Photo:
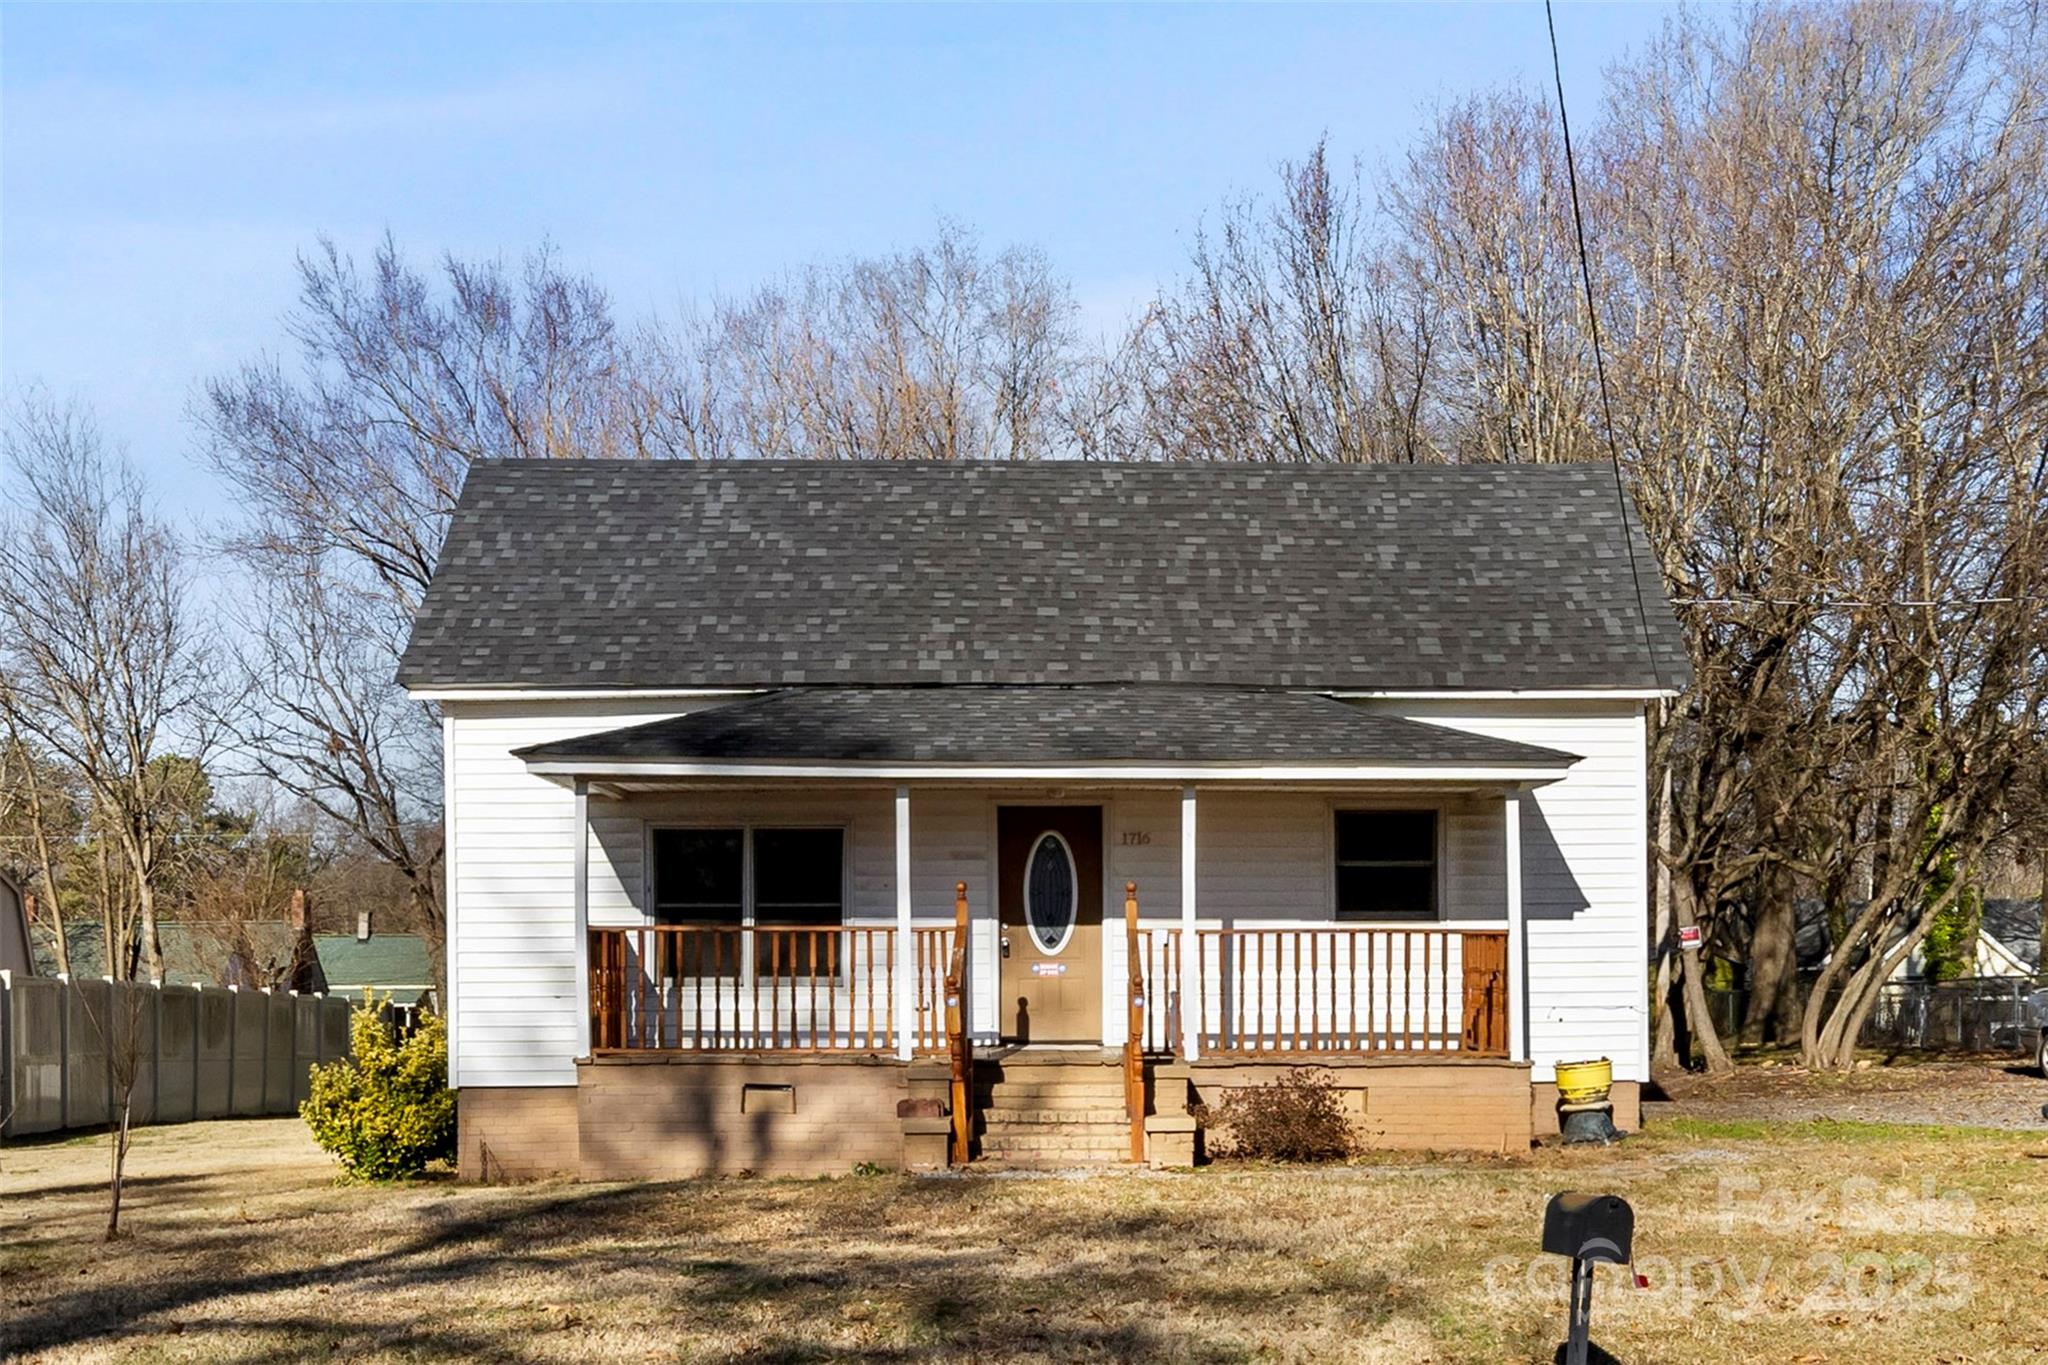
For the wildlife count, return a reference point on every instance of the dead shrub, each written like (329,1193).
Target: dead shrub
(1295,1118)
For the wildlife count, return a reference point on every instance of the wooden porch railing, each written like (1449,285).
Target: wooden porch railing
(959,1047)
(781,988)
(1338,990)
(1134,1035)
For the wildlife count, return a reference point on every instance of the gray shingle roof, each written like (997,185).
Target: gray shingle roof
(1064,725)
(606,574)
(2017,925)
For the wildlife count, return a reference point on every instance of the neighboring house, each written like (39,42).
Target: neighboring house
(16,954)
(396,967)
(1247,767)
(251,953)
(2008,941)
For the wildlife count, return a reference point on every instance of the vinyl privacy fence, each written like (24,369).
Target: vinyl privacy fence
(196,1052)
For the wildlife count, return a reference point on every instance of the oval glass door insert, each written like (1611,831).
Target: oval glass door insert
(1051,893)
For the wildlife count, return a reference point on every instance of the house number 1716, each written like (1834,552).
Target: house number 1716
(1137,838)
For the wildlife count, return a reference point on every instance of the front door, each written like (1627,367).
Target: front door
(1049,871)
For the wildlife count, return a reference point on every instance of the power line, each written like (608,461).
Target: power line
(1599,361)
(1854,604)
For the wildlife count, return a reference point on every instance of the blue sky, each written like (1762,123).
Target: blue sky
(159,167)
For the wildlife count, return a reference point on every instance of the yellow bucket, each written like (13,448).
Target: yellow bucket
(1584,1082)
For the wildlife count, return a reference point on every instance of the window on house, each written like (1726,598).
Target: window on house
(1386,865)
(702,877)
(799,876)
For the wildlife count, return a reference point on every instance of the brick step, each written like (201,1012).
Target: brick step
(1010,1072)
(1014,1117)
(1055,1144)
(1086,1094)
(1051,1163)
(1059,1128)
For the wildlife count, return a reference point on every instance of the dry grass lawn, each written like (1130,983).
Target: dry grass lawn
(1802,1242)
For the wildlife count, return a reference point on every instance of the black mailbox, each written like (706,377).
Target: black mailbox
(1589,1227)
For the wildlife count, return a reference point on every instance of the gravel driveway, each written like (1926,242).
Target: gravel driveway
(1974,1093)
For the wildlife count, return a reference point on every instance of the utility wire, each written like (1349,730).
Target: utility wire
(1854,604)
(1599,362)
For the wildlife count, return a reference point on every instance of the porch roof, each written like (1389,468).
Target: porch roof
(1052,728)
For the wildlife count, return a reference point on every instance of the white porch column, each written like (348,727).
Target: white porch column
(1190,955)
(582,894)
(905,1005)
(1518,934)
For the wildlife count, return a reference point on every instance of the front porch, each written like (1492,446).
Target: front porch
(763,938)
(1341,997)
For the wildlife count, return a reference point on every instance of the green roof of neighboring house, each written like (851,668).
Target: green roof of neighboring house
(194,953)
(397,965)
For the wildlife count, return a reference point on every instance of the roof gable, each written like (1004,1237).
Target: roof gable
(609,574)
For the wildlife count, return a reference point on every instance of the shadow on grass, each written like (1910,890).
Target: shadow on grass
(945,1291)
(99,1187)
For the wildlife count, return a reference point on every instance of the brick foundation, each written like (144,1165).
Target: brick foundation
(1628,1107)
(515,1132)
(667,1118)
(1426,1105)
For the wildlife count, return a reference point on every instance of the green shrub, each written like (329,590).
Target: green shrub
(387,1111)
(1295,1118)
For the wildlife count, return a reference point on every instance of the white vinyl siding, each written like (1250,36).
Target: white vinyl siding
(1585,851)
(1265,857)
(511,886)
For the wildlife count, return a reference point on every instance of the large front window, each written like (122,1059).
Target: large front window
(700,876)
(775,881)
(1386,865)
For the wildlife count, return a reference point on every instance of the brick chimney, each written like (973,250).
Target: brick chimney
(298,916)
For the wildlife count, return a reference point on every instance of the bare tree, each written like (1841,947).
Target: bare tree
(403,382)
(1816,244)
(106,668)
(351,468)
(127,1054)
(1269,349)
(941,353)
(318,717)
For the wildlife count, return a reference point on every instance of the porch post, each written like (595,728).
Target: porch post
(582,894)
(1190,945)
(906,1045)
(1518,934)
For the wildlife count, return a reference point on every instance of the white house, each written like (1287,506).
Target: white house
(1163,778)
